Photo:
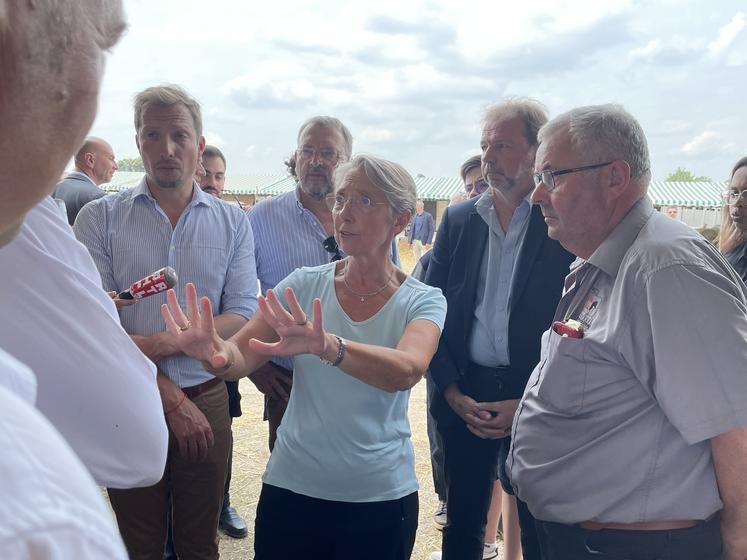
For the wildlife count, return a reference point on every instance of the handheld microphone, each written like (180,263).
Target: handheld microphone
(155,283)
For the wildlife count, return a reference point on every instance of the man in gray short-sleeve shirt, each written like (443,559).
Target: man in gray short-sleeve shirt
(631,436)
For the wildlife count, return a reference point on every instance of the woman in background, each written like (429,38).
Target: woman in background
(732,240)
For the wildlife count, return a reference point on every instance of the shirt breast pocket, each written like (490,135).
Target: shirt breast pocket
(206,264)
(563,378)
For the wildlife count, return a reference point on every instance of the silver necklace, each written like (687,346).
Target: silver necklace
(363,297)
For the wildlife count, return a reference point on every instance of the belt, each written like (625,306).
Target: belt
(487,370)
(285,371)
(645,526)
(196,390)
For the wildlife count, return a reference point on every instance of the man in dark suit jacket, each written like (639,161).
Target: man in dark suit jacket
(94,166)
(502,277)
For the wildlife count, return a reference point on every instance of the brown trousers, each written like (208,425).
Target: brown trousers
(274,411)
(196,491)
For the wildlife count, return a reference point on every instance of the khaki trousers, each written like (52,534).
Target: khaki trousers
(196,491)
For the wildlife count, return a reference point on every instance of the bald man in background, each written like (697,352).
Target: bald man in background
(94,165)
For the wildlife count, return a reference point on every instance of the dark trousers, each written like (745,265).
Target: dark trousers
(435,442)
(471,464)
(470,474)
(196,491)
(290,525)
(570,542)
(234,410)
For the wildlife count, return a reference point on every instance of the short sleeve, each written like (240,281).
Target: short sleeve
(430,304)
(295,280)
(698,323)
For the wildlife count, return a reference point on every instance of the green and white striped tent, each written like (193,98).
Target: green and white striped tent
(662,193)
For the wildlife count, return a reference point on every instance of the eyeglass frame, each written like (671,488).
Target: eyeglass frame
(364,208)
(540,178)
(474,186)
(331,157)
(726,197)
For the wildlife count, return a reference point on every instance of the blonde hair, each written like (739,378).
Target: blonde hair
(531,111)
(167,95)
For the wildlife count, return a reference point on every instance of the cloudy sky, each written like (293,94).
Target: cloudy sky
(411,78)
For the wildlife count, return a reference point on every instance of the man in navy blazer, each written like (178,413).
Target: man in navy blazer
(94,166)
(502,277)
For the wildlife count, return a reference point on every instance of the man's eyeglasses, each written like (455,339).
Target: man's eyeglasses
(548,177)
(733,195)
(330,245)
(329,156)
(336,203)
(479,186)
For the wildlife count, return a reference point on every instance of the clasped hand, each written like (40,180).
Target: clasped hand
(486,420)
(196,336)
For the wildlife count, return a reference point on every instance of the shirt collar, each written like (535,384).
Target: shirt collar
(609,255)
(80,175)
(199,197)
(485,203)
(297,197)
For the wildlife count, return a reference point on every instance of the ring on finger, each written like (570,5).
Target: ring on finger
(185,327)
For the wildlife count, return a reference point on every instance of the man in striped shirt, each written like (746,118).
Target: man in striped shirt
(294,230)
(168,221)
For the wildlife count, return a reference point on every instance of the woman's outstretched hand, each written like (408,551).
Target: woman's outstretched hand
(195,333)
(297,334)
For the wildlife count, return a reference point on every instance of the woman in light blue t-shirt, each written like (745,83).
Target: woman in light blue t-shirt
(340,482)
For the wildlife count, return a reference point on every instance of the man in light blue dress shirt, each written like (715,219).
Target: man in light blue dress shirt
(168,221)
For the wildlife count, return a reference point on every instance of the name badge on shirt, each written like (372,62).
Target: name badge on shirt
(589,310)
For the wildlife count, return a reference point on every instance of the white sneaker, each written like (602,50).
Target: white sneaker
(440,517)
(489,552)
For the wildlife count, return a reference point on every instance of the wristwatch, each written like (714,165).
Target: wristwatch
(340,353)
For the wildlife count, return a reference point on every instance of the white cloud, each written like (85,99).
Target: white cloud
(727,34)
(647,51)
(706,144)
(374,135)
(214,139)
(411,78)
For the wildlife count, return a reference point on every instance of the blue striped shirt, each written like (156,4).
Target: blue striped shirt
(288,236)
(129,236)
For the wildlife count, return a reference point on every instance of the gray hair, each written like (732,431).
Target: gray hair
(469,165)
(391,178)
(531,111)
(605,132)
(335,124)
(167,95)
(327,122)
